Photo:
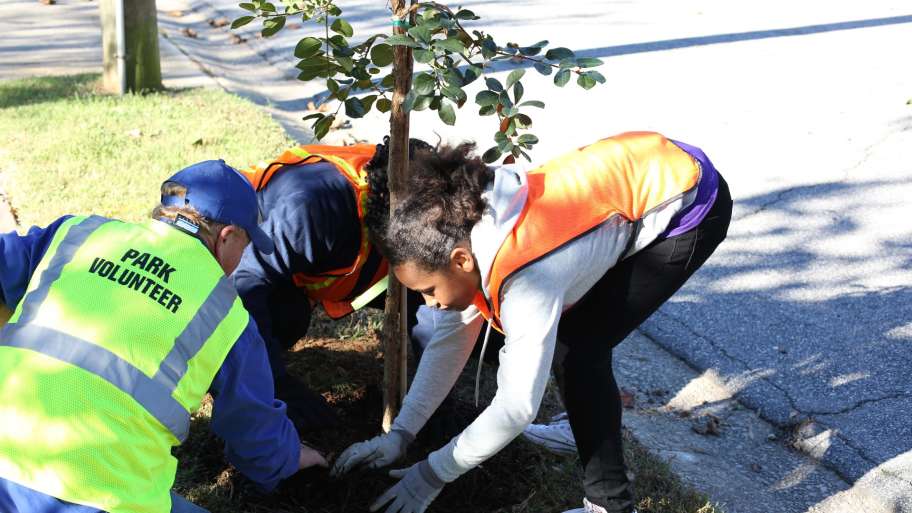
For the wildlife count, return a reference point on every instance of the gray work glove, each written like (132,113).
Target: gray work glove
(377,452)
(414,492)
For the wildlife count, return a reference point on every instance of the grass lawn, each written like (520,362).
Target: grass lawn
(64,148)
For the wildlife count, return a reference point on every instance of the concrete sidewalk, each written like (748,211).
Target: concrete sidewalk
(804,313)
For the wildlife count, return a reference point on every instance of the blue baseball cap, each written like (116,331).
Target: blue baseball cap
(220,193)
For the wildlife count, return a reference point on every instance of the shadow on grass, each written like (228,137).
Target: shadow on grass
(29,91)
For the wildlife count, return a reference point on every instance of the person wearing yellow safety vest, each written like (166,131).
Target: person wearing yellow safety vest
(566,259)
(118,331)
(322,206)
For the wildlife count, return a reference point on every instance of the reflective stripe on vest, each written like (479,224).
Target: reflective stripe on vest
(155,393)
(335,288)
(627,175)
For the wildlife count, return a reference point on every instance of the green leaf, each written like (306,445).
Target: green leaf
(598,77)
(240,22)
(332,86)
(425,83)
(504,99)
(401,40)
(318,115)
(588,62)
(273,25)
(368,101)
(487,110)
(247,7)
(509,111)
(451,44)
(340,26)
(557,54)
(485,98)
(446,113)
(423,102)
(494,84)
(533,103)
(488,47)
(453,77)
(384,105)
(471,74)
(523,121)
(339,42)
(454,93)
(346,62)
(567,63)
(465,14)
(423,56)
(382,55)
(517,91)
(533,49)
(511,127)
(343,93)
(500,138)
(505,146)
(267,7)
(543,68)
(388,81)
(307,47)
(562,77)
(514,77)
(321,127)
(420,33)
(585,81)
(527,139)
(491,155)
(354,108)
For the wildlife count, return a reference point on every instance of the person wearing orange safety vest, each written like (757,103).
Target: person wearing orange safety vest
(321,206)
(566,259)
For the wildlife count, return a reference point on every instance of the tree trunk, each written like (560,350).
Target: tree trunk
(394,330)
(142,62)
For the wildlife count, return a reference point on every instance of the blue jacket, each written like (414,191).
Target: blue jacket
(260,440)
(309,212)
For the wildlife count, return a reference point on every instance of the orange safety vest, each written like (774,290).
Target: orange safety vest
(629,175)
(334,289)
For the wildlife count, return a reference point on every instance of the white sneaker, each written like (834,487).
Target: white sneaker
(555,437)
(588,507)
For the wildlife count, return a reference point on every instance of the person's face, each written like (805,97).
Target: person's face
(451,288)
(229,247)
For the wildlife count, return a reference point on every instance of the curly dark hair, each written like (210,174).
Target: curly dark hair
(378,200)
(443,204)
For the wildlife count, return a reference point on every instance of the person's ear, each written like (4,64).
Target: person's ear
(461,259)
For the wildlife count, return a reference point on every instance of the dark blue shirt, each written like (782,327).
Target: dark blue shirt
(260,440)
(311,214)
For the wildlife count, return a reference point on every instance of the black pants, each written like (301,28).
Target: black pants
(625,296)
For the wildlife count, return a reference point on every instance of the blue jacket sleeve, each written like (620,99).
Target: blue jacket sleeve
(259,438)
(19,257)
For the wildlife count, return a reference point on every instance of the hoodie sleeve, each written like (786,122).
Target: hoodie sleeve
(452,336)
(525,364)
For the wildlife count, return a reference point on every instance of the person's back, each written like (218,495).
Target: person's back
(119,330)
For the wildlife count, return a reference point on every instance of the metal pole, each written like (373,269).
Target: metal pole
(121,56)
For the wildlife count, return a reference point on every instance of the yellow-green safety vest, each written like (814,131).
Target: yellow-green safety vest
(118,337)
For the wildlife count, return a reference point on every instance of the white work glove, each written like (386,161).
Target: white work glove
(377,452)
(415,491)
